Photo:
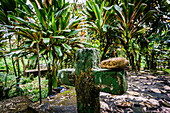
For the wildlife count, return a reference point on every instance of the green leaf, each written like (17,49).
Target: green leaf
(88,6)
(139,11)
(3,17)
(27,9)
(18,19)
(34,57)
(23,12)
(131,11)
(51,55)
(58,50)
(124,11)
(101,7)
(40,18)
(120,16)
(53,22)
(58,37)
(67,46)
(46,40)
(42,51)
(96,11)
(74,32)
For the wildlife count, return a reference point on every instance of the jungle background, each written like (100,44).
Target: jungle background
(46,34)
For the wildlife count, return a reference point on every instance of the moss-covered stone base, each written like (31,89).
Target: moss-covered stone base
(111,81)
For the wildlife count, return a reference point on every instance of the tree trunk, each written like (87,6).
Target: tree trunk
(39,72)
(24,68)
(18,67)
(139,61)
(6,64)
(13,64)
(132,62)
(18,77)
(152,61)
(50,83)
(130,57)
(147,60)
(28,64)
(1,92)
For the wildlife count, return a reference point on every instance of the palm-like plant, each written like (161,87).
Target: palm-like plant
(100,19)
(131,21)
(48,23)
(6,7)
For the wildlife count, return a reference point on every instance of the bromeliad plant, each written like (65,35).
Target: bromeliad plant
(49,23)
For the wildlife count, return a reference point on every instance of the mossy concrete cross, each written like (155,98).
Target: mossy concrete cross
(89,80)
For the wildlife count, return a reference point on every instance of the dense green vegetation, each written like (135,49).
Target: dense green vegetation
(49,32)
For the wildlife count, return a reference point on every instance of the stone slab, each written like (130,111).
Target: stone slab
(109,81)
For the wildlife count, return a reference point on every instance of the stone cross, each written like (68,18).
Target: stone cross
(89,80)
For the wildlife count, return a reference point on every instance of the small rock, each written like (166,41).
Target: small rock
(142,104)
(165,110)
(148,83)
(133,76)
(12,108)
(142,77)
(151,77)
(159,81)
(133,93)
(148,105)
(104,106)
(8,104)
(51,100)
(142,89)
(123,104)
(136,89)
(167,87)
(136,82)
(155,90)
(104,94)
(153,102)
(168,95)
(144,109)
(163,91)
(141,99)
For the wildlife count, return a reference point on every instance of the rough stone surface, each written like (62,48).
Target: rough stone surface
(104,105)
(16,104)
(155,90)
(111,81)
(151,95)
(89,79)
(118,62)
(167,87)
(86,90)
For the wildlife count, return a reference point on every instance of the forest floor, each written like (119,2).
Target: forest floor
(147,92)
